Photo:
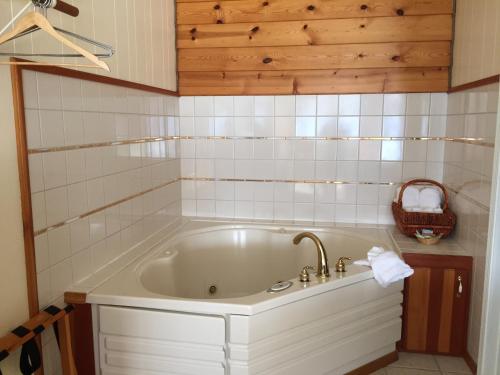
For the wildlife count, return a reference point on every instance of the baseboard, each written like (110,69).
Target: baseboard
(470,362)
(375,365)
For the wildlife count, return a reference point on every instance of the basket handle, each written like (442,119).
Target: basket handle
(423,181)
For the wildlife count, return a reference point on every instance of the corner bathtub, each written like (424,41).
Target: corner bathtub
(198,304)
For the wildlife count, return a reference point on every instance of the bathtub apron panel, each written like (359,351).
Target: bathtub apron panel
(138,341)
(323,333)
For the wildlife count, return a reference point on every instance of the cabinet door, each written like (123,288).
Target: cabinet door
(436,303)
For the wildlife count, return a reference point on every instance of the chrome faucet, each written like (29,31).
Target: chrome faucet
(322,269)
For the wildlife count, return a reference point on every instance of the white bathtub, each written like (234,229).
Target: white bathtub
(198,304)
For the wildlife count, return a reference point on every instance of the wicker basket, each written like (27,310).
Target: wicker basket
(409,222)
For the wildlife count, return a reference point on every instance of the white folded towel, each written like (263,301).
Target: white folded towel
(387,266)
(430,197)
(411,197)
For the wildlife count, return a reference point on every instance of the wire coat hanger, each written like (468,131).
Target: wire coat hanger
(108,49)
(34,21)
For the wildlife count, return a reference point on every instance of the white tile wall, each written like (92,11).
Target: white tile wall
(256,149)
(468,170)
(68,184)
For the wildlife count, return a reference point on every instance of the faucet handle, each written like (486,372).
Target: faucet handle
(340,265)
(304,275)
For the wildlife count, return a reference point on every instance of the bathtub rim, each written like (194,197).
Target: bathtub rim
(201,227)
(122,290)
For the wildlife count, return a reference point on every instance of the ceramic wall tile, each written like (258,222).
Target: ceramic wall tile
(371,138)
(66,112)
(467,170)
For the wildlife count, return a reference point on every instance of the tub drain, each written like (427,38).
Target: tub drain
(212,290)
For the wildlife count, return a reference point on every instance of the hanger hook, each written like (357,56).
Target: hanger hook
(44,4)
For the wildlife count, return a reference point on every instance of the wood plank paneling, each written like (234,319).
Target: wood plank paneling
(375,55)
(434,314)
(316,32)
(435,287)
(238,47)
(234,11)
(418,307)
(445,321)
(314,81)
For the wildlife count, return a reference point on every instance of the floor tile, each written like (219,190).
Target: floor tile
(453,365)
(415,361)
(409,371)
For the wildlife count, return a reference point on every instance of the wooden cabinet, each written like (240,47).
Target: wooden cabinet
(436,304)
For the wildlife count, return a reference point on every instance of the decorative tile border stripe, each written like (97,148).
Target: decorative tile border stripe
(334,182)
(102,208)
(291,181)
(473,141)
(213,179)
(100,144)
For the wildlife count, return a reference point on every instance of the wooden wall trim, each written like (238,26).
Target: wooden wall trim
(65,72)
(24,183)
(474,84)
(25,189)
(437,261)
(470,362)
(375,365)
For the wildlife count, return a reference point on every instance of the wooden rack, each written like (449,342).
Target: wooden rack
(36,325)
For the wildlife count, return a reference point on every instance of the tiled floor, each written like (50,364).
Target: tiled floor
(424,364)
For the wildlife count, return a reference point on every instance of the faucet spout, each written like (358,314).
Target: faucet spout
(322,269)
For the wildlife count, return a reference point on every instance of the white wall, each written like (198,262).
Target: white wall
(142,32)
(477,36)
